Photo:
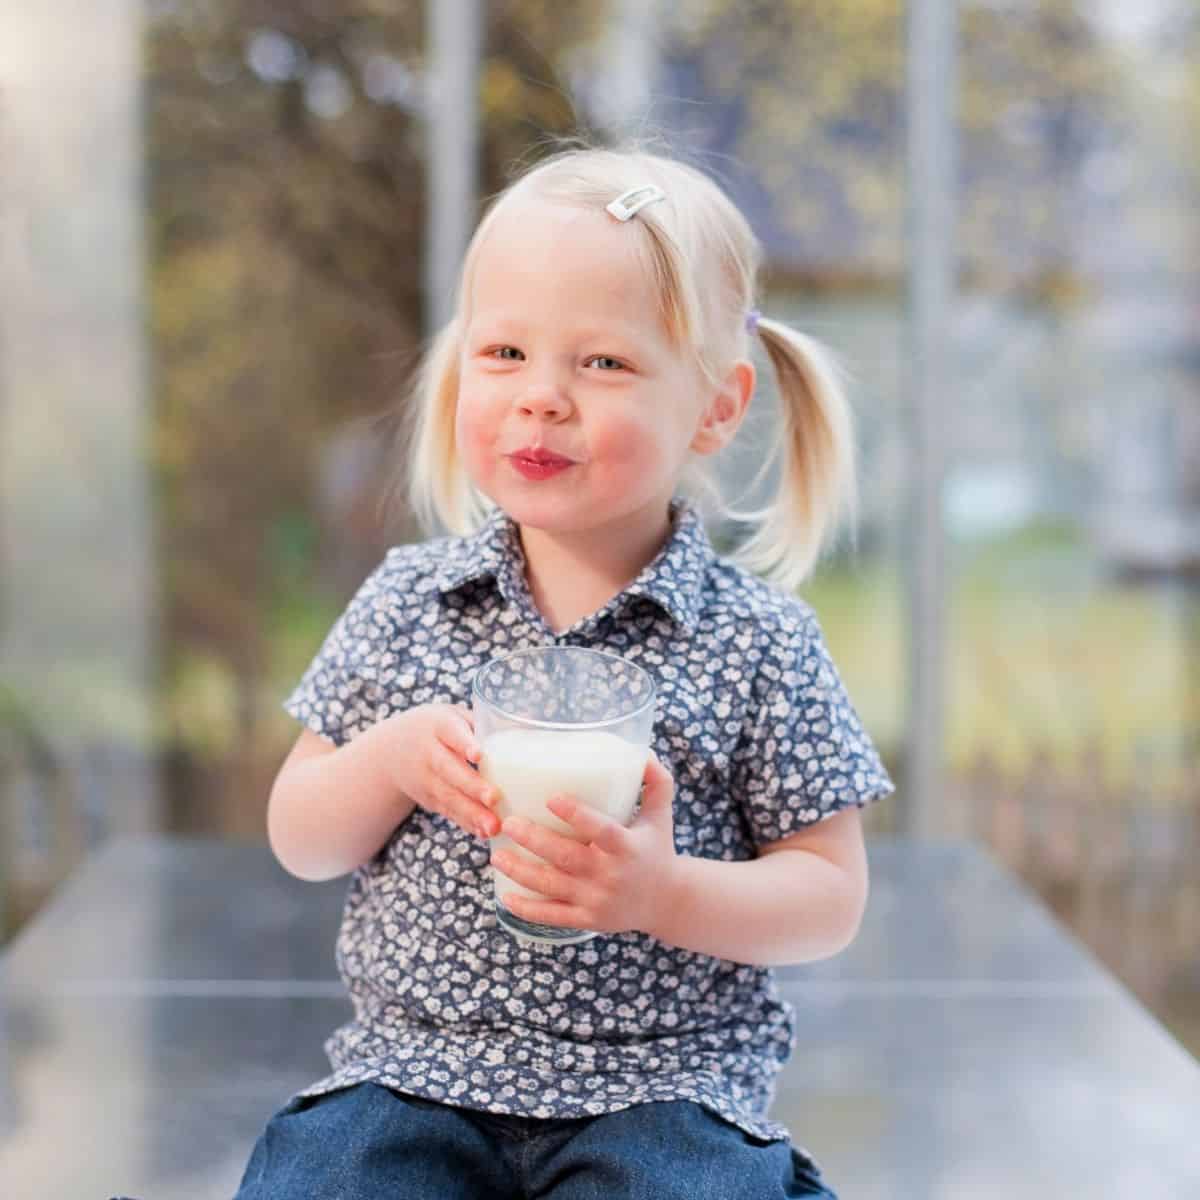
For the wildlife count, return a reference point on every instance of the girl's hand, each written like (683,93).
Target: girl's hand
(615,879)
(430,750)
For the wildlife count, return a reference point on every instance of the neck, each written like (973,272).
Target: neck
(571,575)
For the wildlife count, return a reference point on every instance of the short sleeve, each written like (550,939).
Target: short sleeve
(804,754)
(339,694)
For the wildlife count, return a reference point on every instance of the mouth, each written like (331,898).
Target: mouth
(541,457)
(539,463)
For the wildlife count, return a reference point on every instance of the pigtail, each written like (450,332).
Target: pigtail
(817,487)
(438,487)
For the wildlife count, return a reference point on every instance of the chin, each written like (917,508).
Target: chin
(548,515)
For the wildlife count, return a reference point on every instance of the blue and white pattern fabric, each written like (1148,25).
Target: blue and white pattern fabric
(755,726)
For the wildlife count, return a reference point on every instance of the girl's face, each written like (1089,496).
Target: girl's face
(564,353)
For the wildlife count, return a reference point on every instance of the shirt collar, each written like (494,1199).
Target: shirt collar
(482,554)
(674,580)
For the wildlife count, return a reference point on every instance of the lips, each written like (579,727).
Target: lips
(536,463)
(539,456)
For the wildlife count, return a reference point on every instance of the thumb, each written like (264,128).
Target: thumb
(659,788)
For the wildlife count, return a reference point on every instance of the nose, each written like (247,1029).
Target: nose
(545,400)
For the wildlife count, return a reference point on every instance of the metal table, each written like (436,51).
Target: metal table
(172,996)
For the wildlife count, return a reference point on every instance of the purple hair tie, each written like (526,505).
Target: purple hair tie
(752,321)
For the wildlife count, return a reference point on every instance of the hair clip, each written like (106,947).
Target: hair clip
(627,203)
(752,321)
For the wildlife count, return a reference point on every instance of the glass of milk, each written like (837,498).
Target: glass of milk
(555,720)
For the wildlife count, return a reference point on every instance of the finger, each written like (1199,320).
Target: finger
(451,769)
(463,810)
(563,852)
(545,912)
(458,733)
(538,876)
(591,826)
(658,784)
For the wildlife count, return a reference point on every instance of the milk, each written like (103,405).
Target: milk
(530,766)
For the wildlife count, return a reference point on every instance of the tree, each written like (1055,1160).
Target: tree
(809,102)
(286,165)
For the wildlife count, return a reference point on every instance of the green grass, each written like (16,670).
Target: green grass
(1046,661)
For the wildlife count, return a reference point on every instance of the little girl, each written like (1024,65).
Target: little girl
(598,359)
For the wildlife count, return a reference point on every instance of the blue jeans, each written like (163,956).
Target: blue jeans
(368,1141)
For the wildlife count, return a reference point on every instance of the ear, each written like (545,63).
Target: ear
(725,410)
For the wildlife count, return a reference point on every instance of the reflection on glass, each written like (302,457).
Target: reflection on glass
(1074,499)
(78,592)
(78,611)
(260,227)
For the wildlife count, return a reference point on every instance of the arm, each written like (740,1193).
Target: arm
(804,895)
(331,808)
(801,900)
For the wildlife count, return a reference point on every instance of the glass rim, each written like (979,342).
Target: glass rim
(581,726)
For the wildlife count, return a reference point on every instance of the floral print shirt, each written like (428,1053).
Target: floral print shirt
(755,726)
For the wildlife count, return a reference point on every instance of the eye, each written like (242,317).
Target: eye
(610,364)
(506,354)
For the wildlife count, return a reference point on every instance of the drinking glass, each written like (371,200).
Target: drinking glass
(555,720)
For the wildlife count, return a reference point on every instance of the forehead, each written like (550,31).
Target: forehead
(540,258)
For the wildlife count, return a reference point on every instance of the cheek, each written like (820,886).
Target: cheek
(473,433)
(630,443)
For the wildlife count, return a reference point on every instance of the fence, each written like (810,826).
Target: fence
(1119,866)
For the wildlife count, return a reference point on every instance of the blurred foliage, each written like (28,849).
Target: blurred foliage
(286,159)
(821,99)
(1048,664)
(286,154)
(286,180)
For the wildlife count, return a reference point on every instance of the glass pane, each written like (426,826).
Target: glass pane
(1073,497)
(213,226)
(204,360)
(799,116)
(207,332)
(78,589)
(235,295)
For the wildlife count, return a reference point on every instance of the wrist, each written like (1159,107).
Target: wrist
(673,899)
(379,747)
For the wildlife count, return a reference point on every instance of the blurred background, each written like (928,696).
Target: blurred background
(217,234)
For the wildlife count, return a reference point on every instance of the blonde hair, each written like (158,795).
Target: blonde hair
(703,260)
